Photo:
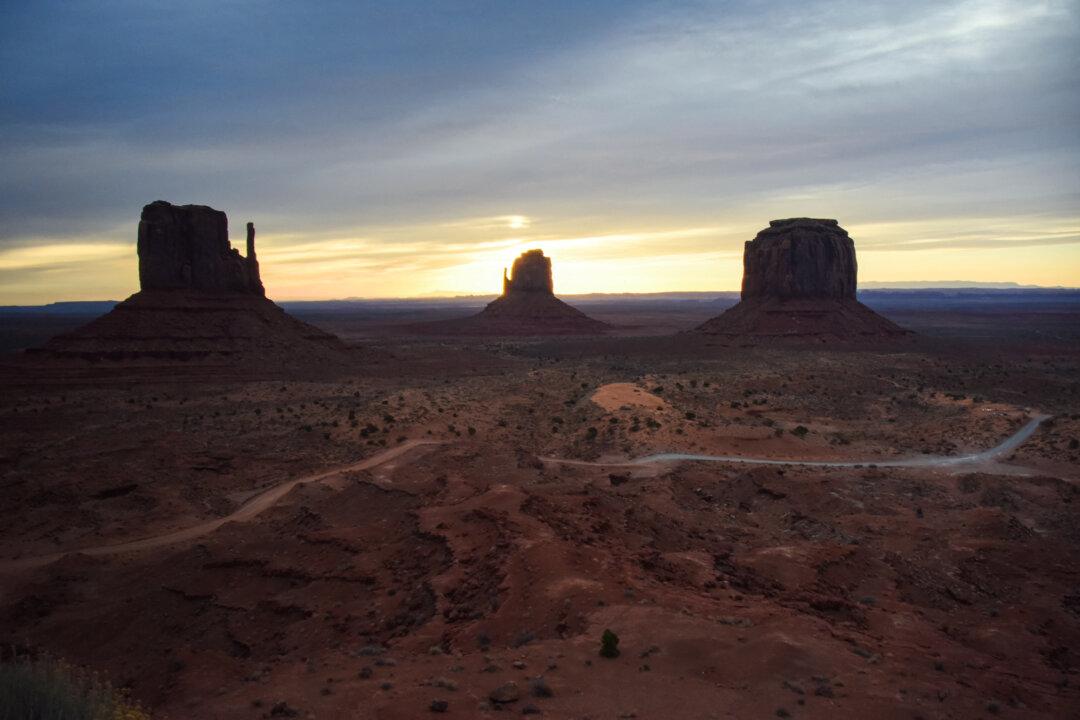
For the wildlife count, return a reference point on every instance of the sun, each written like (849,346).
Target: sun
(517,222)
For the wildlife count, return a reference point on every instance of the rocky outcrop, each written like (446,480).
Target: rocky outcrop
(799,280)
(201,303)
(528,306)
(800,258)
(531,272)
(186,247)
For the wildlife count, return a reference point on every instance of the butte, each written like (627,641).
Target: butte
(200,302)
(799,278)
(527,306)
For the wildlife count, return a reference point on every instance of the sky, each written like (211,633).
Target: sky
(400,149)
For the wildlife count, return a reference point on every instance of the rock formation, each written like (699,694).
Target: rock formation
(799,279)
(531,272)
(527,306)
(186,247)
(200,301)
(800,258)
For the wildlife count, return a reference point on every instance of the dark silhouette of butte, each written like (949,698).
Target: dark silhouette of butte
(799,278)
(527,306)
(199,299)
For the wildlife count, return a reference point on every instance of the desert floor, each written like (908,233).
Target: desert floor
(366,544)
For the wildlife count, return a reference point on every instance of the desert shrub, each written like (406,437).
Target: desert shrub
(50,689)
(591,433)
(609,644)
(799,431)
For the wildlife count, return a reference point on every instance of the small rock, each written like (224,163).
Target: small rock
(439,706)
(530,710)
(507,693)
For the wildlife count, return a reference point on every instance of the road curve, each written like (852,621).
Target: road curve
(247,511)
(1006,446)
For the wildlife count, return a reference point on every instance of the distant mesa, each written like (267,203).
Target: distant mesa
(799,278)
(527,306)
(531,272)
(200,300)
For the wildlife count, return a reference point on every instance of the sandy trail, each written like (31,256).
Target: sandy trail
(922,461)
(263,500)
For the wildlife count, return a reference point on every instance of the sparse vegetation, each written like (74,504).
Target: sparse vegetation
(50,689)
(609,644)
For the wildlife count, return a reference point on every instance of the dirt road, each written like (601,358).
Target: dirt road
(924,461)
(249,510)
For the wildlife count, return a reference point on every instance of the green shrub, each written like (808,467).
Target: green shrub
(50,689)
(609,644)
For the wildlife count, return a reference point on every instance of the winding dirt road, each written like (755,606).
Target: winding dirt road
(926,461)
(272,495)
(249,510)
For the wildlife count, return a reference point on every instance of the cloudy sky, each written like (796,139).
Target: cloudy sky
(409,148)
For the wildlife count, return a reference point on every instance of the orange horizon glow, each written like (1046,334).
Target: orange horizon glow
(467,257)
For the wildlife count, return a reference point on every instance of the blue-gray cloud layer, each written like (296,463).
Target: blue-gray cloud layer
(337,115)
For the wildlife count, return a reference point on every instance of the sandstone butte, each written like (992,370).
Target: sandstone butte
(527,306)
(799,279)
(199,301)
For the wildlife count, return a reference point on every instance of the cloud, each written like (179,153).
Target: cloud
(377,131)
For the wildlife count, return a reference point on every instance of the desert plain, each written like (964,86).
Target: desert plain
(403,536)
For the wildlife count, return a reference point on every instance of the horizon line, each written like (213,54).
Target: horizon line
(871,285)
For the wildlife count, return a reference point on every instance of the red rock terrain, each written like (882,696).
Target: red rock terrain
(465,570)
